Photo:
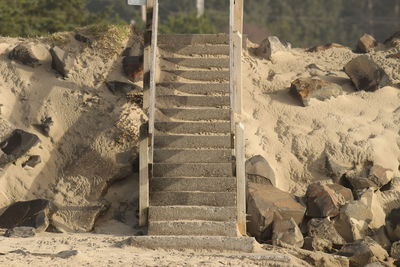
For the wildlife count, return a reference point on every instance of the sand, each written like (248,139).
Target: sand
(94,140)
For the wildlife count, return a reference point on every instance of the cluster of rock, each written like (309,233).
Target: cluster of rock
(358,217)
(363,72)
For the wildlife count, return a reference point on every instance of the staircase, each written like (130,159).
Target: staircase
(193,188)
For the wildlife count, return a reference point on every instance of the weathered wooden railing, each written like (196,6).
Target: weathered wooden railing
(146,144)
(236,43)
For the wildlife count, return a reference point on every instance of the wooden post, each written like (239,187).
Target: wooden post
(143,175)
(241,178)
(238,16)
(146,56)
(237,71)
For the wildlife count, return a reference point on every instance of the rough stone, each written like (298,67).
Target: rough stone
(319,48)
(77,219)
(352,223)
(322,201)
(371,199)
(366,44)
(393,225)
(306,89)
(30,54)
(343,193)
(45,125)
(317,244)
(22,232)
(287,231)
(270,46)
(262,204)
(366,74)
(135,50)
(377,177)
(259,171)
(17,145)
(324,229)
(133,67)
(121,87)
(32,161)
(363,252)
(336,170)
(395,250)
(33,213)
(62,62)
(380,236)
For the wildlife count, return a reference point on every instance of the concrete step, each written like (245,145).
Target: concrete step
(170,88)
(216,199)
(195,49)
(220,243)
(192,170)
(173,101)
(174,213)
(194,114)
(195,75)
(194,62)
(192,155)
(193,127)
(191,141)
(213,184)
(193,228)
(187,39)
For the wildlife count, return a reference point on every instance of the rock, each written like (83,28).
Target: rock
(287,231)
(336,170)
(344,194)
(270,46)
(366,44)
(366,74)
(65,254)
(80,38)
(32,161)
(317,244)
(319,48)
(372,201)
(395,250)
(62,62)
(135,50)
(306,89)
(20,232)
(363,252)
(352,223)
(259,171)
(30,54)
(322,201)
(33,213)
(393,40)
(393,225)
(133,67)
(262,204)
(78,219)
(380,236)
(397,55)
(324,229)
(17,145)
(45,125)
(121,87)
(377,177)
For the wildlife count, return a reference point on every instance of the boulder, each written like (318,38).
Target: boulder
(322,201)
(344,194)
(133,67)
(393,225)
(371,199)
(135,50)
(62,62)
(259,171)
(286,231)
(263,202)
(324,229)
(32,161)
(306,89)
(319,48)
(376,177)
(366,74)
(30,54)
(21,231)
(33,213)
(353,220)
(17,145)
(270,46)
(366,44)
(380,236)
(317,244)
(363,252)
(77,219)
(121,87)
(395,250)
